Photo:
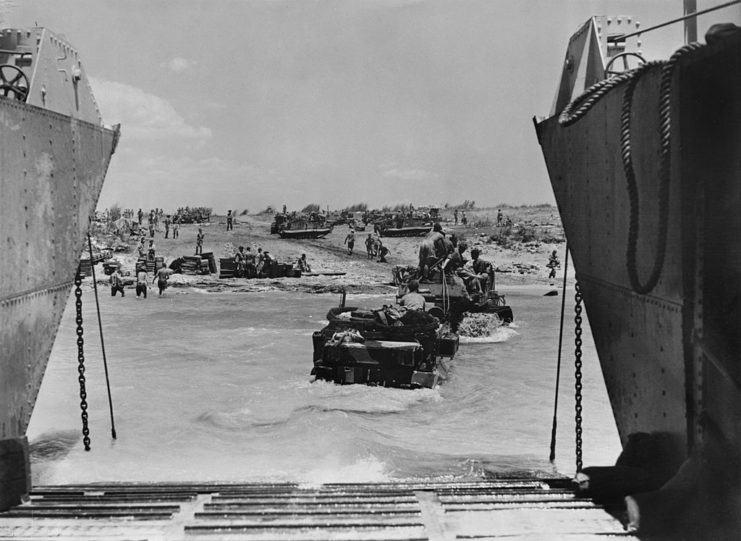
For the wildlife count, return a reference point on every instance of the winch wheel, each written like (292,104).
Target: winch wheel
(610,72)
(13,81)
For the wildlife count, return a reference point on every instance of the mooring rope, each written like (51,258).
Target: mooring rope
(665,96)
(102,342)
(579,107)
(558,364)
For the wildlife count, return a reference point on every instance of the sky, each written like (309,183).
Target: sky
(241,104)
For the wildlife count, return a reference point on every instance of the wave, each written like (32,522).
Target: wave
(239,419)
(53,445)
(328,396)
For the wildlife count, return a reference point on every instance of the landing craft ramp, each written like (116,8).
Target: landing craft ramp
(523,508)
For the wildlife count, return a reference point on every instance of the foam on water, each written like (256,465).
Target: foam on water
(368,469)
(496,335)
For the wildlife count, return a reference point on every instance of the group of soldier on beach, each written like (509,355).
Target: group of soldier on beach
(438,247)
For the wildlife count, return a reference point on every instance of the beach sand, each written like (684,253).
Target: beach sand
(518,264)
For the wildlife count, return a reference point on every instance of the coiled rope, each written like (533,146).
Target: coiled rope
(579,107)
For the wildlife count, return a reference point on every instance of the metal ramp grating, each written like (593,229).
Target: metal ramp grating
(513,508)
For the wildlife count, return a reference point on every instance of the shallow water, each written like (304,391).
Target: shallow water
(216,386)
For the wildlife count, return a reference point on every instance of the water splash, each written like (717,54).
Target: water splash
(365,470)
(484,328)
(500,334)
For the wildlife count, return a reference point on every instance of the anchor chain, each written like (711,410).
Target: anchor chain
(578,365)
(81,360)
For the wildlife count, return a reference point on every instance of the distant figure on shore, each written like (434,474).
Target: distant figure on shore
(151,230)
(229,221)
(350,241)
(499,217)
(141,282)
(239,262)
(116,283)
(268,265)
(175,228)
(167,226)
(162,275)
(455,216)
(413,300)
(553,264)
(142,249)
(370,246)
(199,241)
(150,250)
(464,220)
(284,209)
(260,262)
(382,252)
(250,269)
(303,264)
(140,215)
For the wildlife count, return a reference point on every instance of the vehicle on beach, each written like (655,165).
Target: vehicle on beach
(293,226)
(60,149)
(645,168)
(388,347)
(404,227)
(294,231)
(192,215)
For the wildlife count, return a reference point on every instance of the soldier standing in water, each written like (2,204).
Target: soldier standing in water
(350,241)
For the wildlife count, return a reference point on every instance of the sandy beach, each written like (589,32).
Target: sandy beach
(519,252)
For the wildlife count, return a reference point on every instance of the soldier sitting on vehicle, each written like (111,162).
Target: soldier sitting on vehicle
(482,273)
(413,300)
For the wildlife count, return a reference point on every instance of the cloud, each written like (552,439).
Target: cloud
(179,64)
(409,174)
(215,105)
(208,168)
(142,115)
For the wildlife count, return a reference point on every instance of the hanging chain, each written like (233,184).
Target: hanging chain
(81,360)
(577,365)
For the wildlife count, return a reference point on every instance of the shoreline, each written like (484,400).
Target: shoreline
(519,265)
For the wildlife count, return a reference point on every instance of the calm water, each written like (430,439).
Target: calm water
(216,386)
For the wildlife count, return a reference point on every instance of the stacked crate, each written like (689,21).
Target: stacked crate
(227,267)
